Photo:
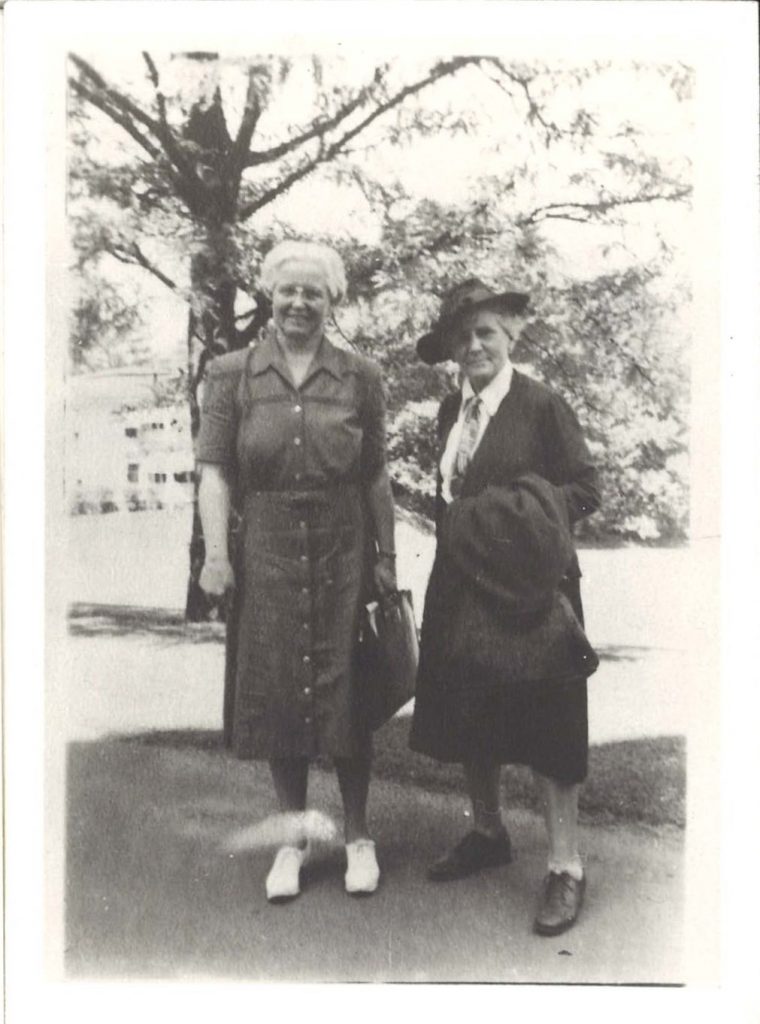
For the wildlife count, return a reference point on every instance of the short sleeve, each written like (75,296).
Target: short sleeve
(217,437)
(373,454)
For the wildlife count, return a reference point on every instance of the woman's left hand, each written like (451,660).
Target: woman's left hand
(385,576)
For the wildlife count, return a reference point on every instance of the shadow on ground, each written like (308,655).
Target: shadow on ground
(87,620)
(126,620)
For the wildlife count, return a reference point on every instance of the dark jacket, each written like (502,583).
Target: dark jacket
(495,600)
(533,431)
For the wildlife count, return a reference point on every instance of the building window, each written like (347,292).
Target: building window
(159,478)
(133,470)
(130,431)
(185,477)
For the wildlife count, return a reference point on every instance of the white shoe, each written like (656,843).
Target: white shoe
(283,882)
(362,874)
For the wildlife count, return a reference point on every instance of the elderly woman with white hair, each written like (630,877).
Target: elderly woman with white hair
(293,427)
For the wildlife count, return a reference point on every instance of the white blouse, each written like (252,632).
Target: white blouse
(491,396)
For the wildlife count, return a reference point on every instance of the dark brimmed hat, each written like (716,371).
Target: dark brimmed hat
(464,298)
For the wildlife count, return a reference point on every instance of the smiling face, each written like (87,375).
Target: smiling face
(481,343)
(300,301)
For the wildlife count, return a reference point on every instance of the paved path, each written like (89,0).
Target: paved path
(160,899)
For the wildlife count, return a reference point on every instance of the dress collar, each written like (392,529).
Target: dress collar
(268,353)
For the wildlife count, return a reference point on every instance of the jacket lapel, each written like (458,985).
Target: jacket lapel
(492,441)
(449,413)
(447,419)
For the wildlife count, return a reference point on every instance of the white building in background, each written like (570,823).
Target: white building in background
(117,460)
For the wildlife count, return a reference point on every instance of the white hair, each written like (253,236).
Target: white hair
(323,256)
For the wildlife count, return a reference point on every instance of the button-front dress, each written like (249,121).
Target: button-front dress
(301,459)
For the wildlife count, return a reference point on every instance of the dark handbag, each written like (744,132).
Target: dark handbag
(388,654)
(511,650)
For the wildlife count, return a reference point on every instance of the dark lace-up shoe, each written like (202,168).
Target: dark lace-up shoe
(471,854)
(561,901)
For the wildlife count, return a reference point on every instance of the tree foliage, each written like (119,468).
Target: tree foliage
(210,148)
(614,345)
(105,327)
(193,179)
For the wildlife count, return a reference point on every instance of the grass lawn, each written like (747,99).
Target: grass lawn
(636,781)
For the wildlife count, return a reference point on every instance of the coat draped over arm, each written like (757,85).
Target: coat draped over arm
(494,605)
(511,541)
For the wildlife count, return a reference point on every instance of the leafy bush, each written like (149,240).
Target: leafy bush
(614,346)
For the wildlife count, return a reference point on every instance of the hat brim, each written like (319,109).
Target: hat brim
(432,348)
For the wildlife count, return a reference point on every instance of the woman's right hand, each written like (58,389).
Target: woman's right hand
(217,577)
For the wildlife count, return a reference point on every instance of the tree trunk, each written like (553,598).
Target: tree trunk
(197,605)
(213,272)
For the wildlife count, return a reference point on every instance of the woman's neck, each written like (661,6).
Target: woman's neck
(298,353)
(298,348)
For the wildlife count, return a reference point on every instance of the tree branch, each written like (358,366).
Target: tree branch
(160,129)
(441,70)
(565,211)
(144,262)
(115,116)
(326,153)
(282,186)
(239,154)
(160,98)
(117,98)
(560,216)
(122,119)
(318,129)
(152,71)
(164,132)
(551,129)
(133,255)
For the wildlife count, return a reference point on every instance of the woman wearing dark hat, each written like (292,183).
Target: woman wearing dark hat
(503,656)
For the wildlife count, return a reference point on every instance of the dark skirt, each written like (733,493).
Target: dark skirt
(301,582)
(542,724)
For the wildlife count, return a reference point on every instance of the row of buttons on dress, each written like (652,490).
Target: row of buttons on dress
(305,590)
(297,440)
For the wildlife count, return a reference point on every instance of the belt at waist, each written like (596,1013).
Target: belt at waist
(327,508)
